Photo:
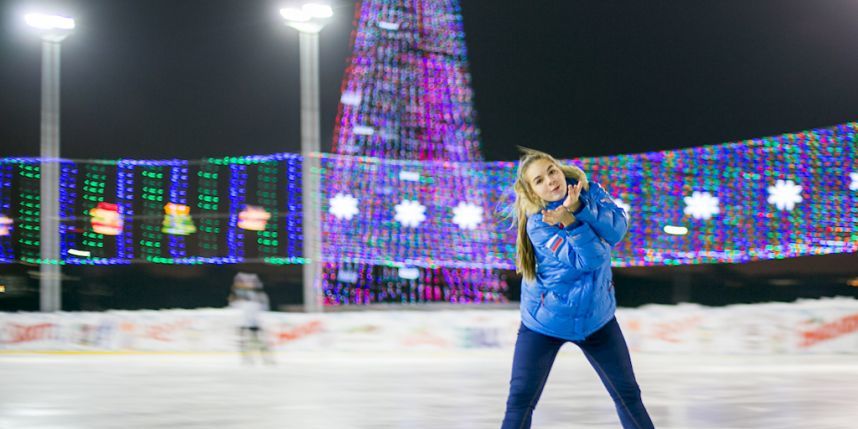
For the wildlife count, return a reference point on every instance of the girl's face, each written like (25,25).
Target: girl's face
(546,179)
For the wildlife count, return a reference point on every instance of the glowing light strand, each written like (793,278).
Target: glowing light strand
(268,240)
(7,253)
(654,185)
(178,195)
(125,200)
(152,194)
(29,204)
(69,231)
(208,204)
(92,193)
(237,192)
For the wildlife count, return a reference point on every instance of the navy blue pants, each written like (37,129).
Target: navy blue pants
(605,349)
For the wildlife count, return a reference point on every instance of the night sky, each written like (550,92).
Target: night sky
(188,79)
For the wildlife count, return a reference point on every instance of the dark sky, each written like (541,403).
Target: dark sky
(187,79)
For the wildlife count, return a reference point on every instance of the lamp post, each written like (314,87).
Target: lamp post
(309,20)
(53,29)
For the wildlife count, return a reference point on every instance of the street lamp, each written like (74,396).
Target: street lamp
(309,20)
(53,29)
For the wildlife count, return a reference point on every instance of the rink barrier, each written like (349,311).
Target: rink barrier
(803,327)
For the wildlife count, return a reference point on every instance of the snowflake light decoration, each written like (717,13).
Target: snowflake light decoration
(343,206)
(410,213)
(467,215)
(784,195)
(701,205)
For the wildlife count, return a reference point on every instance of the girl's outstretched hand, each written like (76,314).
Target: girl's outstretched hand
(573,192)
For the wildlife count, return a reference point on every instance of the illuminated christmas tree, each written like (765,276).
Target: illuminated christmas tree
(407,96)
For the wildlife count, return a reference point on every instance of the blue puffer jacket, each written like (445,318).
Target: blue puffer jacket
(573,295)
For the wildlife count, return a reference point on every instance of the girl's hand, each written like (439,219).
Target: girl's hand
(573,192)
(558,215)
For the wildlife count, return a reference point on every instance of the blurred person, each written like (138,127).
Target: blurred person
(566,227)
(250,299)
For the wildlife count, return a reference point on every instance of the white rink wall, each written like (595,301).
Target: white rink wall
(803,327)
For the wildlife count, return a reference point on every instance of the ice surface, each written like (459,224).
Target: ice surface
(464,389)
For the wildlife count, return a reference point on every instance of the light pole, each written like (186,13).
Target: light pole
(309,20)
(53,29)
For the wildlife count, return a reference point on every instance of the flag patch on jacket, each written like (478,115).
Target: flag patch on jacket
(554,243)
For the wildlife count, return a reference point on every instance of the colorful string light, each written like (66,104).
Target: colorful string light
(152,184)
(267,239)
(178,216)
(768,198)
(92,194)
(407,96)
(7,224)
(292,211)
(70,230)
(125,204)
(29,205)
(208,204)
(237,192)
(143,188)
(406,92)
(783,196)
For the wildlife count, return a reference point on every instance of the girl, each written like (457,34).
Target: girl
(566,227)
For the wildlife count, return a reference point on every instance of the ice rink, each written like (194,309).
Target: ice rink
(462,389)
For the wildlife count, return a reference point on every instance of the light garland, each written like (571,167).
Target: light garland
(70,231)
(28,219)
(208,204)
(7,224)
(410,220)
(125,179)
(92,194)
(748,225)
(780,196)
(152,193)
(144,189)
(237,192)
(178,216)
(292,212)
(267,239)
(784,196)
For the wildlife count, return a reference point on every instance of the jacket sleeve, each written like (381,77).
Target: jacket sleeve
(599,211)
(579,248)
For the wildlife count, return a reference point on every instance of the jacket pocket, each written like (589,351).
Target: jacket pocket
(601,299)
(558,305)
(532,303)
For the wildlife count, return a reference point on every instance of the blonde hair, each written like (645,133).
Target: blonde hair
(527,203)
